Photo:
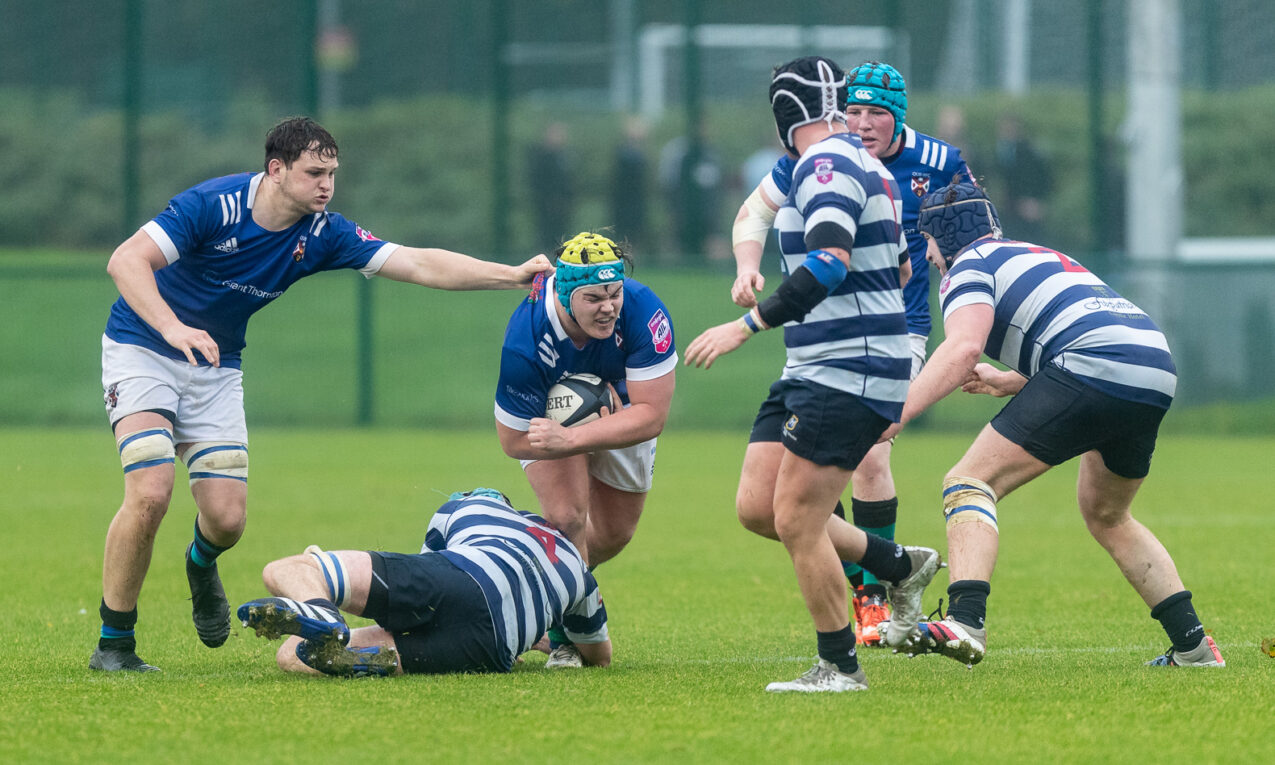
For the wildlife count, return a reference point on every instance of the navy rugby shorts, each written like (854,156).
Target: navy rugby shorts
(436,613)
(824,425)
(1056,416)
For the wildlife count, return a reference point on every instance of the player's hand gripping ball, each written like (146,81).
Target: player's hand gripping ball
(577,399)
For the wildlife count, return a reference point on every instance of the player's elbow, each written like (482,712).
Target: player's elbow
(966,353)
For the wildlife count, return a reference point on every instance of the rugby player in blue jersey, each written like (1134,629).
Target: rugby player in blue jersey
(877,103)
(849,361)
(591,479)
(1091,376)
(486,585)
(189,280)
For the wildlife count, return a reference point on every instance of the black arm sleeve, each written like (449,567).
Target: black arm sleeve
(796,297)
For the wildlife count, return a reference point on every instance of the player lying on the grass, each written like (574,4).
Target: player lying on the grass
(591,479)
(1091,376)
(847,373)
(486,585)
(189,281)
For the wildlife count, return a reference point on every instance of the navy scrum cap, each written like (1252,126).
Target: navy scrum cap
(957,215)
(804,91)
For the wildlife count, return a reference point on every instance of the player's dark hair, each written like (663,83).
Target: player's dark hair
(294,136)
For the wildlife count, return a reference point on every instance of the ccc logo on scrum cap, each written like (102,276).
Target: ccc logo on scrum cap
(606,273)
(863,95)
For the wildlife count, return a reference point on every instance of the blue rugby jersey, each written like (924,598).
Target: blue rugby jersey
(532,577)
(856,339)
(537,352)
(923,164)
(1050,310)
(223,267)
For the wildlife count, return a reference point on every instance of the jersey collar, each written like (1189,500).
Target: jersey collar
(551,312)
(253,185)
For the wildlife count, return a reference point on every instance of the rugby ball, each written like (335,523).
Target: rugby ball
(577,399)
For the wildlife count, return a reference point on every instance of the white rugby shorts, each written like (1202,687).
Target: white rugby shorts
(629,469)
(206,402)
(917,343)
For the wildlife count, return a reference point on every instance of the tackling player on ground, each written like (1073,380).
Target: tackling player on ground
(877,103)
(189,280)
(487,584)
(847,373)
(1091,376)
(591,479)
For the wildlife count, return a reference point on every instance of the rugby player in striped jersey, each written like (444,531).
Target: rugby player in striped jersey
(1091,376)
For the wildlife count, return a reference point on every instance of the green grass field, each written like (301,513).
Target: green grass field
(703,615)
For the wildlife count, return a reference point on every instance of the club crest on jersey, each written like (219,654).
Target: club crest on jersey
(823,170)
(661,332)
(920,184)
(537,288)
(298,252)
(943,285)
(112,396)
(365,235)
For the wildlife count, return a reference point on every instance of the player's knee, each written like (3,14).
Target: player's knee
(968,500)
(271,575)
(217,459)
(757,520)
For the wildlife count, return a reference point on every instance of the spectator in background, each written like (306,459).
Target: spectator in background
(552,188)
(629,186)
(693,180)
(1023,179)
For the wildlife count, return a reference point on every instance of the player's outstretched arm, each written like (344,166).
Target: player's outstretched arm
(953,362)
(132,267)
(447,270)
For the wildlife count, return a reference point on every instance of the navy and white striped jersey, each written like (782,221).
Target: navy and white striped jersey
(223,267)
(1050,310)
(856,339)
(532,576)
(922,164)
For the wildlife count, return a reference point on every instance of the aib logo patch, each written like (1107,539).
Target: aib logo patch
(790,427)
(920,184)
(823,170)
(661,332)
(943,285)
(298,252)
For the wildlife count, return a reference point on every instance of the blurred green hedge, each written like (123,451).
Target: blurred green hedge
(420,171)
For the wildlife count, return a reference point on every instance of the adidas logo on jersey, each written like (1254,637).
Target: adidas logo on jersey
(230,246)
